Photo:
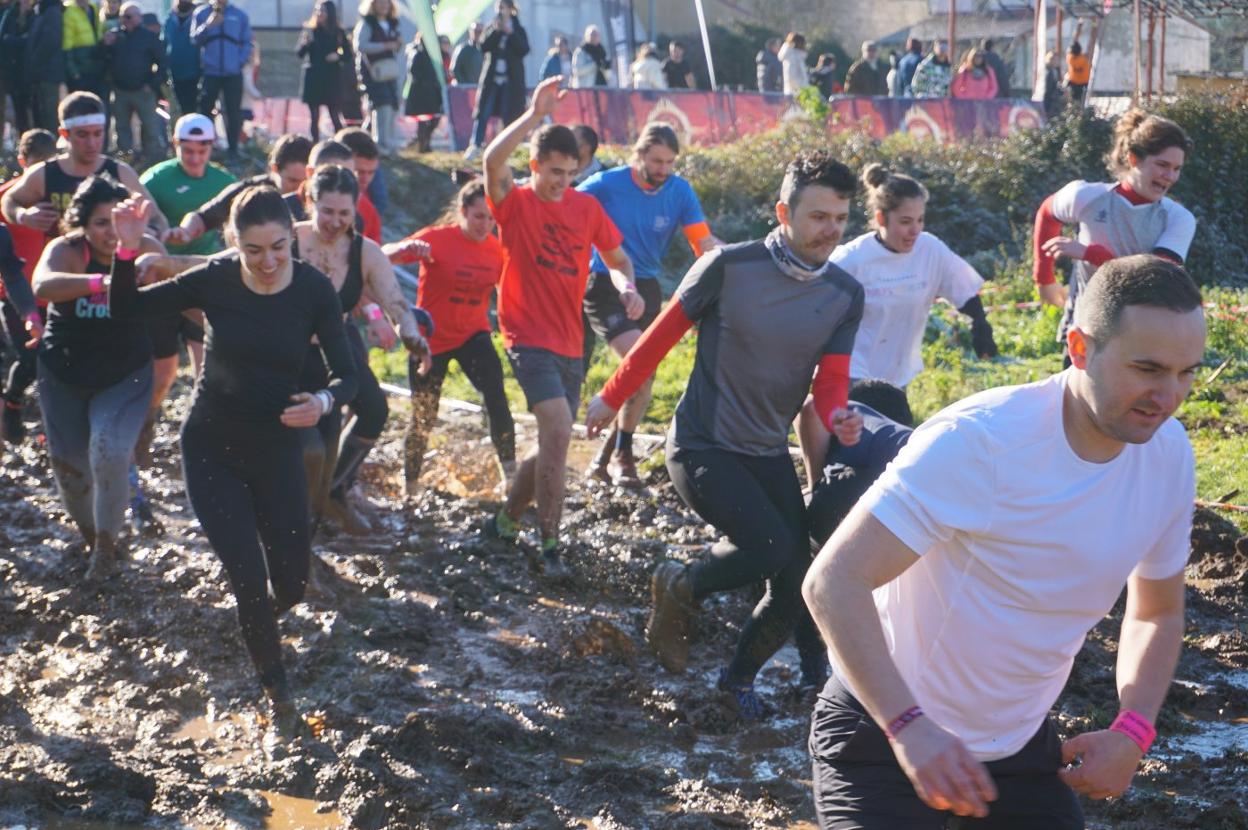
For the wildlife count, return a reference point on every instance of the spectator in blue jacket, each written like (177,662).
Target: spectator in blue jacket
(908,63)
(223,34)
(182,56)
(558,59)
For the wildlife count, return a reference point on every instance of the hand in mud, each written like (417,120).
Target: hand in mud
(304,412)
(598,415)
(634,305)
(847,426)
(944,773)
(381,333)
(34,327)
(1064,246)
(1108,761)
(418,347)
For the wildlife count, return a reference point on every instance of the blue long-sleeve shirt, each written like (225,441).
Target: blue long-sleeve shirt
(182,52)
(224,48)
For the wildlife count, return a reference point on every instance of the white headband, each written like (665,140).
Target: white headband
(88,120)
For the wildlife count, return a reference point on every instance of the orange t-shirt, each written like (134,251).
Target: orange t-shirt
(546,250)
(455,288)
(372,219)
(1078,69)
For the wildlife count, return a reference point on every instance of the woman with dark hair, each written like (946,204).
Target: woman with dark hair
(975,78)
(1131,215)
(325,50)
(240,448)
(422,96)
(824,76)
(377,47)
(329,242)
(501,90)
(460,263)
(95,373)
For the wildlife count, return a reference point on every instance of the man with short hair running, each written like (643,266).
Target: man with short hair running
(649,203)
(547,230)
(959,590)
(43,192)
(366,157)
(179,186)
(776,319)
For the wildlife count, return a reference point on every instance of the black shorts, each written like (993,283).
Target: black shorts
(166,330)
(544,375)
(860,786)
(605,312)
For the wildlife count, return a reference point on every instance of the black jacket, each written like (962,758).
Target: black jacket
(997,64)
(512,48)
(137,59)
(770,71)
(44,60)
(423,93)
(14,30)
(321,81)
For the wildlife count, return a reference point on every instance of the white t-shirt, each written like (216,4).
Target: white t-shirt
(1109,219)
(1023,547)
(900,290)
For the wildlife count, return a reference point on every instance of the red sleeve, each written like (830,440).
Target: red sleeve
(1098,255)
(503,208)
(1047,227)
(646,354)
(372,219)
(831,387)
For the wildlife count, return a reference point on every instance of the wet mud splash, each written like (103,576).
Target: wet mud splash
(452,687)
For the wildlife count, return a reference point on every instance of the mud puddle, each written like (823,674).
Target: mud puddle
(452,687)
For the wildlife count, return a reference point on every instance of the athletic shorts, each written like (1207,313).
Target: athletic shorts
(165,331)
(605,312)
(544,375)
(859,785)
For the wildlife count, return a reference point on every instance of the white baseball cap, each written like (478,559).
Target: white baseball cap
(194,127)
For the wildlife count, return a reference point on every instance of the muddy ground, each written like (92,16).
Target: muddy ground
(452,687)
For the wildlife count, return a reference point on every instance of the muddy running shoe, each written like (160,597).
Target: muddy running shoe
(624,471)
(667,631)
(749,704)
(598,471)
(551,562)
(502,527)
(143,520)
(287,730)
(11,425)
(343,513)
(102,565)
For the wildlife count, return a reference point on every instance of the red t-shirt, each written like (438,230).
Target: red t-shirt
(27,242)
(546,250)
(455,288)
(372,219)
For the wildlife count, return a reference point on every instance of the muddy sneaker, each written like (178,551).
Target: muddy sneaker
(598,471)
(749,704)
(624,471)
(102,565)
(143,520)
(11,426)
(502,527)
(667,631)
(344,514)
(287,730)
(551,563)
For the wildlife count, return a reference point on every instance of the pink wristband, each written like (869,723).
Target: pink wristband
(902,721)
(372,311)
(127,254)
(1136,727)
(97,283)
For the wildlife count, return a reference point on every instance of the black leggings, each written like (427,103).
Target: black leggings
(22,370)
(247,486)
(485,371)
(757,502)
(335,118)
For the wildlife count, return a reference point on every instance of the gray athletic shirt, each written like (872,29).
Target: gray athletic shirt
(761,335)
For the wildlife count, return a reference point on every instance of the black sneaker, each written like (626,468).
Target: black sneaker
(667,631)
(551,562)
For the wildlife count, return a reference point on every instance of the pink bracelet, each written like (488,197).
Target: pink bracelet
(126,254)
(372,311)
(1136,727)
(902,721)
(97,283)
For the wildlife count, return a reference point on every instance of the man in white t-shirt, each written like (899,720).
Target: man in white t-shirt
(957,593)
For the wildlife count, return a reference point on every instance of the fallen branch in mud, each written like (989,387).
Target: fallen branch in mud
(1217,505)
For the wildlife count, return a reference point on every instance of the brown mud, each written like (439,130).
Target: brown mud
(452,687)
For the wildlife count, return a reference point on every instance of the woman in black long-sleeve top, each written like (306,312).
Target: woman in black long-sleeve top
(240,451)
(326,52)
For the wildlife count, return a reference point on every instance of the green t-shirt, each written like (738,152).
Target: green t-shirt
(177,194)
